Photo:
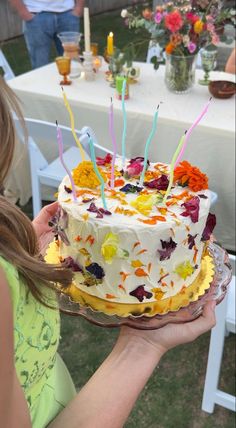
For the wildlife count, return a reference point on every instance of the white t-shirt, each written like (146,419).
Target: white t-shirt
(49,5)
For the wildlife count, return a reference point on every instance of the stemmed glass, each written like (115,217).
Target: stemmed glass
(208,58)
(63,66)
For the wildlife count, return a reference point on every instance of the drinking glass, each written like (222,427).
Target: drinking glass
(208,58)
(63,66)
(70,42)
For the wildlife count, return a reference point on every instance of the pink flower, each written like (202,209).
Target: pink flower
(209,18)
(158,17)
(210,27)
(173,21)
(191,47)
(192,209)
(134,169)
(191,17)
(103,161)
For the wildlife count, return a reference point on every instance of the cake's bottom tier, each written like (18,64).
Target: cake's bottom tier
(161,307)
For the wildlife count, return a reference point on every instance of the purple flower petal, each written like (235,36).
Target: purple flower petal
(191,240)
(67,189)
(167,249)
(209,227)
(69,262)
(192,209)
(96,270)
(160,183)
(100,211)
(140,293)
(59,223)
(130,188)
(92,208)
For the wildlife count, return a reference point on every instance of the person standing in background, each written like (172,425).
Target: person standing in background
(42,21)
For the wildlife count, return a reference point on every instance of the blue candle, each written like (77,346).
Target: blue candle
(151,135)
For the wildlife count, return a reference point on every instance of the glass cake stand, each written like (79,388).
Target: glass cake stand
(216,291)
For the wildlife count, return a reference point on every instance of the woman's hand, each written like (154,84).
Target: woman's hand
(42,229)
(171,335)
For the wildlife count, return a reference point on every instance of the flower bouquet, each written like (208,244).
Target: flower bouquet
(181,29)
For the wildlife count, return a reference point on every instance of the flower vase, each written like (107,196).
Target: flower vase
(180,73)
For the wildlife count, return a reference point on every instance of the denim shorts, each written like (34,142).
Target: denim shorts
(42,30)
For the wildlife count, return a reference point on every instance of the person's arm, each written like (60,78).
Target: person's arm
(13,407)
(231,63)
(78,8)
(21,9)
(109,396)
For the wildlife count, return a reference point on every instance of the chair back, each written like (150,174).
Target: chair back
(8,72)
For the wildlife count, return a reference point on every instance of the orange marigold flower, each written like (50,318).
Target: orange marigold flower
(85,176)
(169,48)
(186,174)
(198,26)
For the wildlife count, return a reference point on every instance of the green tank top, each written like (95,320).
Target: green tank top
(42,374)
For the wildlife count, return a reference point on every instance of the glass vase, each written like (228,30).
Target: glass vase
(180,73)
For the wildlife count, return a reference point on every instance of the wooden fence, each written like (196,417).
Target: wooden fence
(11,25)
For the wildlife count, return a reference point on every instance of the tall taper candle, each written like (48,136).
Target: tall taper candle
(86,30)
(204,111)
(93,158)
(172,166)
(124,123)
(113,139)
(151,135)
(72,124)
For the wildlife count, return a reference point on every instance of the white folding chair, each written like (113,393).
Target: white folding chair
(51,173)
(8,72)
(225,323)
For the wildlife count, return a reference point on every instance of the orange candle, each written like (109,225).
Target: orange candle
(110,47)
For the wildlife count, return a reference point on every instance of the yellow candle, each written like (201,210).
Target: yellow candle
(72,123)
(110,47)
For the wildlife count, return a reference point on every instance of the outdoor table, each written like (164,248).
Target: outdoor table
(211,146)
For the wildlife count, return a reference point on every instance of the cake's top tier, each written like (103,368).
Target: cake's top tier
(128,203)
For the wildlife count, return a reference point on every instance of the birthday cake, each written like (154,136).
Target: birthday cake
(135,249)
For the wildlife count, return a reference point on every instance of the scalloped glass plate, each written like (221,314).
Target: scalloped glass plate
(216,291)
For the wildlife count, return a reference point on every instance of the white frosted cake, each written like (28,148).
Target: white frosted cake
(138,250)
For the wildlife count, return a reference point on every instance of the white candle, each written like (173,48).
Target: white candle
(86,30)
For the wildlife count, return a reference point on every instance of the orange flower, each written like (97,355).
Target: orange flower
(186,174)
(176,39)
(169,48)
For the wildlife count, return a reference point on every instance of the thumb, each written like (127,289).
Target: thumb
(50,210)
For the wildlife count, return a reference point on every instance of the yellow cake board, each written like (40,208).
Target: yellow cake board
(149,309)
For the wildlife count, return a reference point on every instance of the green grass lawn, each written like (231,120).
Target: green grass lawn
(172,397)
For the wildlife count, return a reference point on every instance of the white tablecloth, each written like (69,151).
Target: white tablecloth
(211,146)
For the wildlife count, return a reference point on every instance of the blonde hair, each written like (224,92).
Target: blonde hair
(18,241)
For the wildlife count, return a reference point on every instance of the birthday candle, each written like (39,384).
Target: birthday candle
(93,158)
(60,146)
(124,123)
(172,166)
(110,47)
(113,139)
(204,111)
(151,135)
(72,123)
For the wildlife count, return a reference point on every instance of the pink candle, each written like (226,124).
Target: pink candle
(60,146)
(113,139)
(191,129)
